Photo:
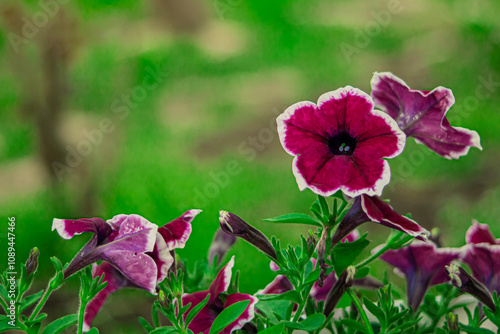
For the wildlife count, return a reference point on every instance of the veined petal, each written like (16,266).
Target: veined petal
(135,233)
(177,232)
(222,280)
(484,261)
(67,228)
(202,322)
(479,233)
(162,257)
(139,268)
(422,114)
(381,212)
(246,316)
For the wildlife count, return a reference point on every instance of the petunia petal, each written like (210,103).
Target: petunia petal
(479,233)
(135,233)
(202,322)
(162,257)
(381,212)
(67,228)
(220,245)
(139,268)
(177,232)
(484,262)
(279,285)
(222,280)
(300,126)
(421,114)
(246,316)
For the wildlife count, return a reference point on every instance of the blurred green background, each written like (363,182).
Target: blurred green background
(159,106)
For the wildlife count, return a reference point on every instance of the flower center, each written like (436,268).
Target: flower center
(342,144)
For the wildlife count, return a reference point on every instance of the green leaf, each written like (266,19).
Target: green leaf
(30,300)
(146,324)
(228,315)
(274,310)
(195,310)
(475,330)
(350,323)
(93,330)
(493,318)
(278,329)
(291,295)
(346,253)
(375,310)
(57,326)
(294,218)
(164,330)
(4,325)
(314,321)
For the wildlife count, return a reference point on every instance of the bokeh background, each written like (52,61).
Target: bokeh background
(155,107)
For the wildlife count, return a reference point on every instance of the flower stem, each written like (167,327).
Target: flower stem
(303,304)
(373,257)
(41,303)
(361,311)
(81,313)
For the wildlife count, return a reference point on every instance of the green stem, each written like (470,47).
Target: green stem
(81,313)
(303,304)
(3,304)
(41,303)
(361,311)
(373,257)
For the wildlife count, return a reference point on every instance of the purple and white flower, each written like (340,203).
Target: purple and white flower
(340,143)
(202,322)
(136,252)
(423,265)
(422,115)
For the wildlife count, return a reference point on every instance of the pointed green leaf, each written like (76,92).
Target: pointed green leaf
(475,330)
(57,326)
(30,300)
(312,322)
(291,295)
(350,323)
(346,253)
(375,310)
(147,326)
(164,330)
(195,310)
(228,315)
(278,329)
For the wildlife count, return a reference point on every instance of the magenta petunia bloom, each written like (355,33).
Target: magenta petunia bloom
(482,255)
(423,265)
(422,115)
(136,252)
(341,143)
(202,322)
(374,209)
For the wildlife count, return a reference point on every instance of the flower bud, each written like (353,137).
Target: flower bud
(452,321)
(468,284)
(235,226)
(220,245)
(32,262)
(344,282)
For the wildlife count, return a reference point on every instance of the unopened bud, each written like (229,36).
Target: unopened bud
(344,282)
(32,262)
(235,226)
(452,320)
(468,284)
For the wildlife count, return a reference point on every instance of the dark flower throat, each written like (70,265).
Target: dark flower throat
(342,144)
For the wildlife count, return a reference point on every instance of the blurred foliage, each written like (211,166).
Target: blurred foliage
(227,73)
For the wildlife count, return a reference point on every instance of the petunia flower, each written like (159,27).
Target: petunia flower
(374,209)
(340,143)
(217,302)
(136,252)
(482,255)
(423,265)
(422,115)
